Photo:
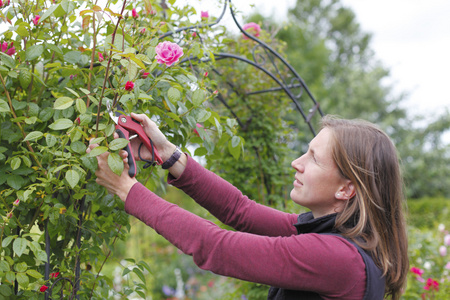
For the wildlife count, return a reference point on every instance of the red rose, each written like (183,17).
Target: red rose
(43,288)
(129,86)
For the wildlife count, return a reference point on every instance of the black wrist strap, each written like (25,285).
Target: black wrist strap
(173,159)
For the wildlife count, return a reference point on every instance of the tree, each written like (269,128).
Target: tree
(327,46)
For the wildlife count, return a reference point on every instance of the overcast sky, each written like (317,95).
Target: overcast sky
(410,37)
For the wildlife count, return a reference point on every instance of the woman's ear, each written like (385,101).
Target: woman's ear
(346,191)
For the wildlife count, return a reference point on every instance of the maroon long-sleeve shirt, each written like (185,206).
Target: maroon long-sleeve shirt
(265,248)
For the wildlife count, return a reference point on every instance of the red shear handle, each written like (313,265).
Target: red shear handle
(131,162)
(133,126)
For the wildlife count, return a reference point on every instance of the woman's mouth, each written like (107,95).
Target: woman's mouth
(297,182)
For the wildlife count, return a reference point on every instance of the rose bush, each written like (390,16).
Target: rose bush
(62,61)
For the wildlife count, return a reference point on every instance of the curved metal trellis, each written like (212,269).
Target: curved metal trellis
(259,60)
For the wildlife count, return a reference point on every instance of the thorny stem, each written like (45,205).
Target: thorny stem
(18,123)
(91,67)
(107,69)
(106,258)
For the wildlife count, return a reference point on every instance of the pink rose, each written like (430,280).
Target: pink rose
(145,75)
(431,285)
(447,240)
(10,50)
(1,3)
(204,14)
(206,74)
(252,28)
(129,86)
(100,57)
(134,13)
(443,250)
(16,203)
(168,53)
(417,271)
(36,19)
(198,126)
(54,275)
(194,34)
(142,31)
(447,266)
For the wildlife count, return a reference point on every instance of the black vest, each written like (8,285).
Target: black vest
(375,283)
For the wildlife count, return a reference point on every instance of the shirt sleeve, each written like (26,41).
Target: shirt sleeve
(325,264)
(229,205)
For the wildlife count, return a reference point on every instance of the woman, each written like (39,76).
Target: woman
(351,245)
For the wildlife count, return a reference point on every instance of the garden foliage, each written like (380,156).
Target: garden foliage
(62,61)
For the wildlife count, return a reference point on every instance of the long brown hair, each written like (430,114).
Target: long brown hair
(374,217)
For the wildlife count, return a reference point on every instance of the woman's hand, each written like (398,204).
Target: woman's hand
(164,147)
(118,185)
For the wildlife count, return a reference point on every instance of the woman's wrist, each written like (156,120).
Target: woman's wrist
(124,189)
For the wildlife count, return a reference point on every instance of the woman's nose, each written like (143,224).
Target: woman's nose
(297,164)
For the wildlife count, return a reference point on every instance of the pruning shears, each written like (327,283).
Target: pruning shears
(126,125)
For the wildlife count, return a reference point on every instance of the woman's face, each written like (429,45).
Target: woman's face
(318,184)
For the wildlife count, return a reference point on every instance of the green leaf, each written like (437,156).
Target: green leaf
(34,52)
(19,246)
(5,290)
(235,151)
(87,92)
(61,124)
(115,162)
(6,241)
(34,273)
(10,276)
(139,273)
(174,95)
(4,107)
(7,60)
(235,141)
(22,279)
(81,106)
(97,151)
(201,151)
(48,12)
(198,97)
(72,57)
(16,181)
(125,271)
(46,114)
(174,117)
(34,135)
(41,255)
(24,78)
(72,178)
(97,140)
(219,127)
(4,266)
(73,92)
(20,267)
(78,147)
(50,139)
(15,163)
(26,161)
(203,115)
(22,31)
(118,144)
(62,103)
